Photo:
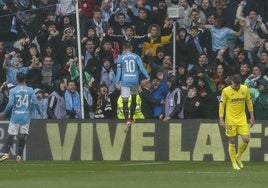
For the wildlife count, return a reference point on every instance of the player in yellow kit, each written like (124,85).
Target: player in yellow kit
(233,117)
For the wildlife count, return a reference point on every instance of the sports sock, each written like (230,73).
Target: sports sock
(232,152)
(8,144)
(133,106)
(125,109)
(21,146)
(242,147)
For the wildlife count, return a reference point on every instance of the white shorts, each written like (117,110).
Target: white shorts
(127,91)
(15,129)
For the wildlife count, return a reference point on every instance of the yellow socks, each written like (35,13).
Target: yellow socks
(236,158)
(241,149)
(232,154)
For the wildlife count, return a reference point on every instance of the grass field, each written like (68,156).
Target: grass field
(118,174)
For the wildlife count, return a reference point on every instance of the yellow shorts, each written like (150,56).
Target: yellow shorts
(233,130)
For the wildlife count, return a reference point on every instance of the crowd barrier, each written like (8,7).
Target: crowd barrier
(152,140)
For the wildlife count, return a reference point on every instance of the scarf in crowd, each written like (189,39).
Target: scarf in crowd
(108,77)
(98,25)
(87,96)
(72,102)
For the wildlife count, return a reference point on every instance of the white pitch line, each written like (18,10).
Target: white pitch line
(140,164)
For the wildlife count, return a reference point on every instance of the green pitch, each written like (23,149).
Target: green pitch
(118,174)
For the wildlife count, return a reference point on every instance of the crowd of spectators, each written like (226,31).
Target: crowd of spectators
(214,40)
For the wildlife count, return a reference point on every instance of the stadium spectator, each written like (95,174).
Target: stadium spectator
(174,102)
(49,73)
(115,45)
(242,57)
(104,108)
(49,36)
(34,76)
(66,8)
(88,97)
(68,36)
(206,90)
(88,51)
(201,15)
(263,62)
(72,101)
(185,10)
(92,35)
(121,7)
(156,35)
(42,103)
(261,102)
(106,10)
(244,71)
(139,5)
(29,52)
(190,80)
(194,45)
(129,37)
(181,73)
(6,31)
(56,108)
(147,99)
(219,34)
(142,21)
(87,6)
(107,76)
(63,23)
(252,80)
(156,40)
(165,67)
(2,57)
(194,16)
(202,67)
(119,23)
(68,56)
(157,59)
(14,68)
(159,13)
(4,96)
(252,25)
(192,104)
(106,52)
(51,52)
(219,74)
(97,22)
(181,45)
(208,8)
(159,90)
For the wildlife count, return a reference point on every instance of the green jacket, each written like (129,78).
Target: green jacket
(254,92)
(261,102)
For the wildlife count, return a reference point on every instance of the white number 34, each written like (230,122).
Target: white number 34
(22,101)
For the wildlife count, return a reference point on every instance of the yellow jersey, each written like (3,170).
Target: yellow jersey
(233,105)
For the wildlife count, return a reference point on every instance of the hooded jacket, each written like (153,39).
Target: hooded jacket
(261,103)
